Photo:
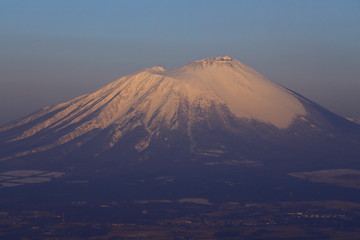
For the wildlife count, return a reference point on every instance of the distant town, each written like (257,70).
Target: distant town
(185,219)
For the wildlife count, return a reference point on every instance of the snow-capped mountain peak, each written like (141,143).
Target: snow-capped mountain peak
(215,62)
(216,59)
(157,99)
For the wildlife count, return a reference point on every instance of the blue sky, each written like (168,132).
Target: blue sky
(52,51)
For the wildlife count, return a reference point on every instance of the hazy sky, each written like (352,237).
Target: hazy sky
(53,51)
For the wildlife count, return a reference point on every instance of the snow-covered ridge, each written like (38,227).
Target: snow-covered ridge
(355,120)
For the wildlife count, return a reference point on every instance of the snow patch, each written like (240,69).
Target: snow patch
(142,144)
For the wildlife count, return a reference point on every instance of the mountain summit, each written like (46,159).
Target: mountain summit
(213,107)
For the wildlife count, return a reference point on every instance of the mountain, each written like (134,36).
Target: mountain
(211,110)
(212,150)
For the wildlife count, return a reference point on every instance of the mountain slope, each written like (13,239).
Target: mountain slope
(209,108)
